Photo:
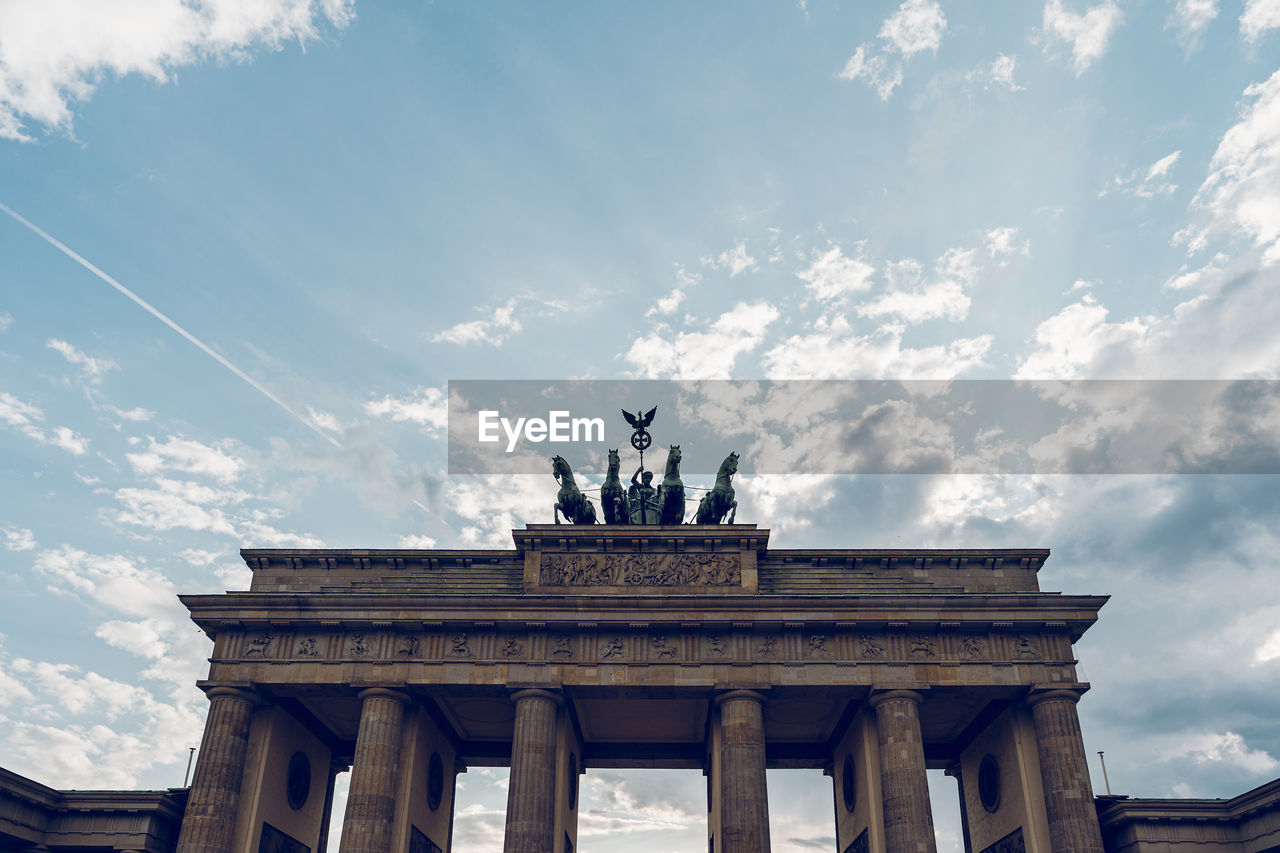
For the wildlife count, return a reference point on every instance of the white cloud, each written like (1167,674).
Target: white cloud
(192,457)
(92,368)
(416,541)
(1074,341)
(832,275)
(1150,184)
(669,303)
(735,260)
(56,53)
(999,74)
(1258,17)
(912,299)
(19,539)
(881,73)
(69,440)
(1088,33)
(999,243)
(1241,193)
(1190,18)
(6,320)
(26,418)
(706,354)
(1226,748)
(111,579)
(426,407)
(832,350)
(502,324)
(136,415)
(323,419)
(915,27)
(21,415)
(1208,274)
(944,298)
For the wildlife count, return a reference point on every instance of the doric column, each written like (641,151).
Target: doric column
(531,790)
(1064,769)
(371,800)
(908,820)
(744,799)
(210,818)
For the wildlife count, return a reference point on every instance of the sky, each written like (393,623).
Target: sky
(245,246)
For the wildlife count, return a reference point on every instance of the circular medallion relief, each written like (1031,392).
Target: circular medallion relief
(849,784)
(435,781)
(573,781)
(989,783)
(298,780)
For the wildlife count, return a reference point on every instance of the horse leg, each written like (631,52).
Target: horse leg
(733,511)
(555,508)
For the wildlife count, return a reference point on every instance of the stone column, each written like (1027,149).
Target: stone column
(210,818)
(744,799)
(1064,769)
(371,800)
(908,820)
(531,790)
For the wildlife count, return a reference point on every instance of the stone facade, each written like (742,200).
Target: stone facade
(660,646)
(1249,823)
(35,817)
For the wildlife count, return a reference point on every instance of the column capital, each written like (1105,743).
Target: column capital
(881,695)
(553,696)
(247,694)
(1061,693)
(736,695)
(384,692)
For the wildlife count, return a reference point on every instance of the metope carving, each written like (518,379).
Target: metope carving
(662,648)
(259,646)
(358,648)
(562,646)
(640,570)
(716,646)
(869,647)
(1025,647)
(458,645)
(612,649)
(410,646)
(308,648)
(972,647)
(512,648)
(923,647)
(768,647)
(818,646)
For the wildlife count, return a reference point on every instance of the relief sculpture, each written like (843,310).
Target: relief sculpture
(640,570)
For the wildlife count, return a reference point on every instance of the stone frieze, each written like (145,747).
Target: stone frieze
(696,569)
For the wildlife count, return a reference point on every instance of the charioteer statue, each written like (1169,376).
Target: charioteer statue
(642,503)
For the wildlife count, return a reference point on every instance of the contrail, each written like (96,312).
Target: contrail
(154,312)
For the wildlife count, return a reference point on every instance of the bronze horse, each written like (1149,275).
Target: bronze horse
(719,500)
(570,500)
(613,498)
(671,492)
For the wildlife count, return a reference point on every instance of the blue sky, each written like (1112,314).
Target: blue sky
(352,203)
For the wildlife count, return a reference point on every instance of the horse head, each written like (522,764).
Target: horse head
(614,460)
(730,464)
(559,467)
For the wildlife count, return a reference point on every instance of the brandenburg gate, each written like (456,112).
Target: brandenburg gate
(659,645)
